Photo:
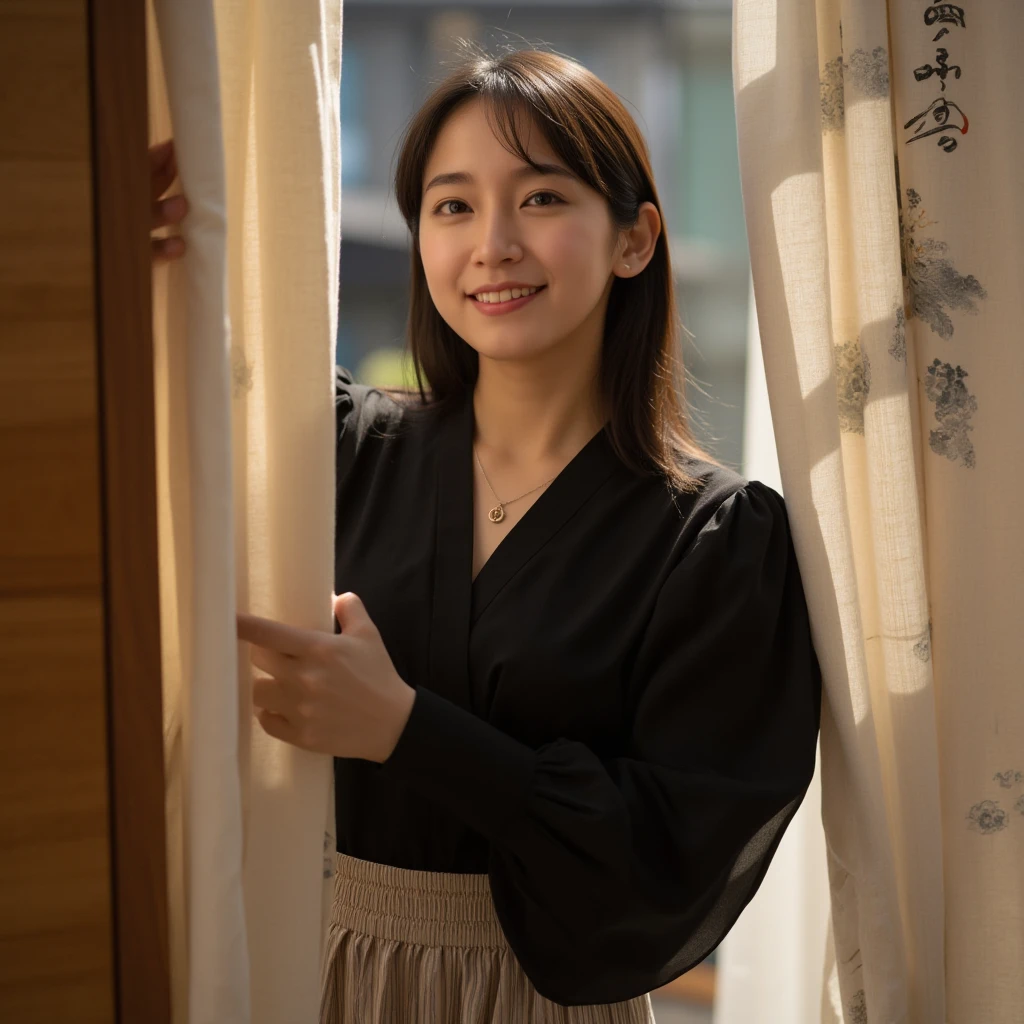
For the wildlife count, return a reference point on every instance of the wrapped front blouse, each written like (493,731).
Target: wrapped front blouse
(615,721)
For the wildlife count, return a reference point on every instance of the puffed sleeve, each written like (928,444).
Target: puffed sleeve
(612,876)
(361,411)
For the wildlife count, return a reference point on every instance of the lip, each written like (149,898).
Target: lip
(498,308)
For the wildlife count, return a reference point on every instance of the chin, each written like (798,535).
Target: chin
(511,349)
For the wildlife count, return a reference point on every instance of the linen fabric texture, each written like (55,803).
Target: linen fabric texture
(614,721)
(881,184)
(244,331)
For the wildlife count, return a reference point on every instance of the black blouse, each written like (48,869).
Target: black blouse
(615,721)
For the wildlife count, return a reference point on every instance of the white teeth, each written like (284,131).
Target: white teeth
(504,296)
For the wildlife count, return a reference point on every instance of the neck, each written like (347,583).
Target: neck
(539,412)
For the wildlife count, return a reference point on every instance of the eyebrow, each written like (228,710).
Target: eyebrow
(526,171)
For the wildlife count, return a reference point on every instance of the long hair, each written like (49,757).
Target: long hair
(642,377)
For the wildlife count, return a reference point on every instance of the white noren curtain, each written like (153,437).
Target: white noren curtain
(244,333)
(881,165)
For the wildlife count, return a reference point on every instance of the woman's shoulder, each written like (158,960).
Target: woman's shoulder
(727,511)
(366,410)
(719,488)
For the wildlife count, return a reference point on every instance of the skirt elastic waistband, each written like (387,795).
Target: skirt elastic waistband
(430,908)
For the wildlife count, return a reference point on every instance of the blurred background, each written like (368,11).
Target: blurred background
(670,62)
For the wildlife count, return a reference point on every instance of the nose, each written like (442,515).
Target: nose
(498,239)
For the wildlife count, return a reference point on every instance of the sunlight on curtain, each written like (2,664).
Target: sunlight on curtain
(886,250)
(244,333)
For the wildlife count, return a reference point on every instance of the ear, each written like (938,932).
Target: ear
(636,244)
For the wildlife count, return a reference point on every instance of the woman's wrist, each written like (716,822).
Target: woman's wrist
(400,708)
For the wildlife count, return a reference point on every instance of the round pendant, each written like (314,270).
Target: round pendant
(496,514)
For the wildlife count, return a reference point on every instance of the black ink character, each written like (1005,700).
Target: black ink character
(939,110)
(925,71)
(948,14)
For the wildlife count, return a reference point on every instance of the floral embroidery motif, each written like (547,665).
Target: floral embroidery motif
(853,382)
(328,856)
(857,1011)
(867,72)
(923,648)
(898,345)
(833,110)
(954,405)
(931,282)
(1007,779)
(1019,805)
(986,816)
(241,372)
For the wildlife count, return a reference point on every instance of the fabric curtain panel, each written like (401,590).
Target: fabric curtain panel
(789,913)
(881,172)
(244,335)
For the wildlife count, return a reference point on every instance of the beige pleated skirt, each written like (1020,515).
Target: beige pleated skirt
(426,947)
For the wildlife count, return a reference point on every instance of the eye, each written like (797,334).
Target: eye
(551,195)
(447,202)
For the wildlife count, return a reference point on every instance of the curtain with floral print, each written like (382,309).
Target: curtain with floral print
(881,165)
(244,331)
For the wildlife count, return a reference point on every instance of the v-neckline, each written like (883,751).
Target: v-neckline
(459,599)
(522,524)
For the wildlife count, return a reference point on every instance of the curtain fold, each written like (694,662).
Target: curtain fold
(789,913)
(244,334)
(884,225)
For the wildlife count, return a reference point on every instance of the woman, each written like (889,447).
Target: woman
(574,700)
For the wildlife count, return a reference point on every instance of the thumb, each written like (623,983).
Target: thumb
(350,612)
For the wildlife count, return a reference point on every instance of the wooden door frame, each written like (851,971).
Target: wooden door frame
(121,206)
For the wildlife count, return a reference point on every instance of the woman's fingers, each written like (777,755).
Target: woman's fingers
(163,168)
(161,157)
(168,211)
(164,249)
(160,153)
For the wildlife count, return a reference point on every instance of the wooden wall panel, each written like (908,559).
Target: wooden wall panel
(56,928)
(83,916)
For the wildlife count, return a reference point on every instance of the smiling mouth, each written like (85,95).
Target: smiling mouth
(508,304)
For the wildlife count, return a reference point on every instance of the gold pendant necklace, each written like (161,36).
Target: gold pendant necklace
(497,514)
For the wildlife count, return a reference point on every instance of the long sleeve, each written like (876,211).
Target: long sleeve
(612,876)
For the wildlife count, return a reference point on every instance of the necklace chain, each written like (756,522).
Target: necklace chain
(497,513)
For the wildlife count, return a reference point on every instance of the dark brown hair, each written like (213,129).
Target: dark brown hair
(642,377)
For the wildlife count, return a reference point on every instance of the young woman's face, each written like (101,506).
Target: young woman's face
(500,222)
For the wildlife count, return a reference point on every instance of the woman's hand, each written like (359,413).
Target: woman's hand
(331,693)
(163,169)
